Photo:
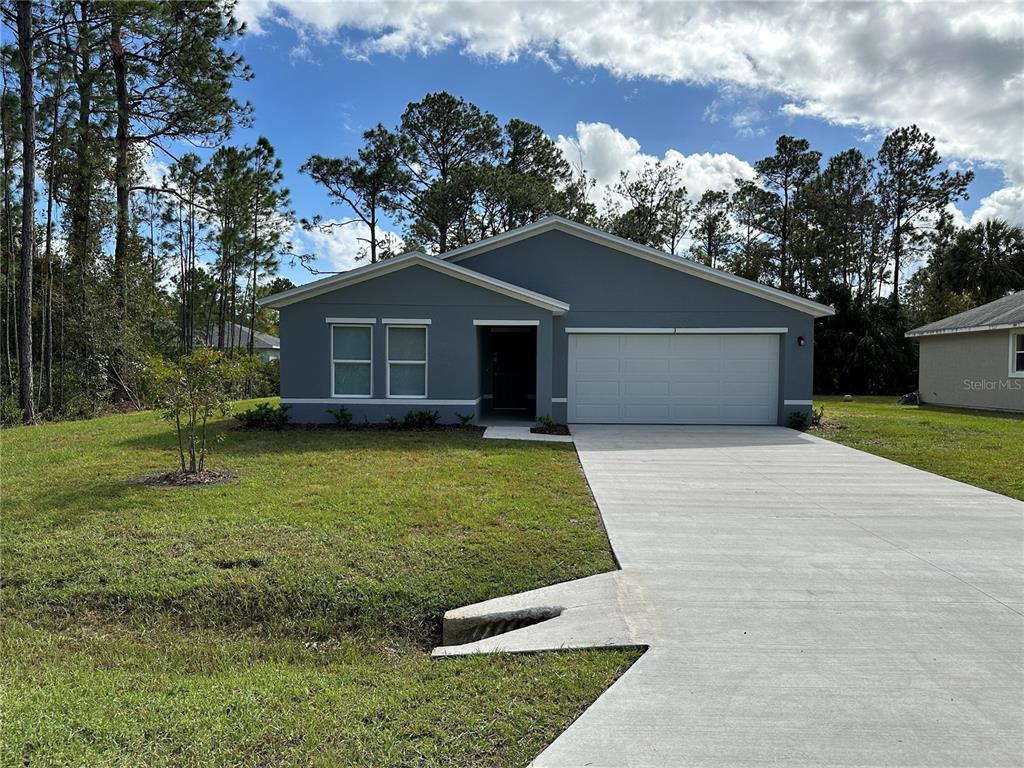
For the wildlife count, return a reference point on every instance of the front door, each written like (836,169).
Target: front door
(514,362)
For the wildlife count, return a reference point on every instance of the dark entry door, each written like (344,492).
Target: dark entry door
(515,367)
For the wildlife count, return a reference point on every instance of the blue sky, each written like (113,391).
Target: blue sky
(319,82)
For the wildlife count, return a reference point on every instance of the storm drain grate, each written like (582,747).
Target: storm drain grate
(469,630)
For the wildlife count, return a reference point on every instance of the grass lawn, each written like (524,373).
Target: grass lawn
(982,448)
(285,619)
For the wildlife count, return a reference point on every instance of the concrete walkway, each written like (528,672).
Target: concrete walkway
(803,604)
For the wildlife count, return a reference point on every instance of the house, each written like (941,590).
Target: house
(264,345)
(551,319)
(975,359)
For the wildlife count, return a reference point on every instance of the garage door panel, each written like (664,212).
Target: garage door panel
(674,378)
(595,365)
(645,388)
(646,345)
(645,367)
(590,387)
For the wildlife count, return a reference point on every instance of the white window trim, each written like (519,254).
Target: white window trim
(426,358)
(506,322)
(350,320)
(403,321)
(348,324)
(1012,372)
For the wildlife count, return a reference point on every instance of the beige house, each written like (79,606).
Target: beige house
(975,359)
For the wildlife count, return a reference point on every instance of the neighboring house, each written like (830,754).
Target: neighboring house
(554,318)
(264,345)
(975,359)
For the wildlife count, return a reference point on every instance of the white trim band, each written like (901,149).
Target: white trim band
(620,330)
(347,400)
(797,402)
(350,320)
(506,322)
(681,331)
(559,399)
(403,321)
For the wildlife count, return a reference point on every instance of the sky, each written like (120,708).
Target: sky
(710,86)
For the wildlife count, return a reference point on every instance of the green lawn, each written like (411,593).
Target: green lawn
(285,619)
(982,448)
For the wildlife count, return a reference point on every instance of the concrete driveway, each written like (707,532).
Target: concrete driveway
(802,603)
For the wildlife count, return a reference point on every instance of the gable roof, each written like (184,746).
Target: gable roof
(678,263)
(1007,312)
(414,258)
(241,337)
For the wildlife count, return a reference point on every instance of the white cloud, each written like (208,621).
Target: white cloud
(1006,203)
(605,151)
(954,69)
(340,247)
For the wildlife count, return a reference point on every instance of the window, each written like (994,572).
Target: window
(407,361)
(351,360)
(1017,354)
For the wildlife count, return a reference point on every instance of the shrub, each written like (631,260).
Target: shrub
(10,411)
(798,420)
(341,415)
(421,419)
(911,398)
(265,416)
(391,421)
(547,422)
(464,418)
(817,415)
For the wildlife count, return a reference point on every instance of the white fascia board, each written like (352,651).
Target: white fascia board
(371,271)
(973,329)
(732,330)
(642,251)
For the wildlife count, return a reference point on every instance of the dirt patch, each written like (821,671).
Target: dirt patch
(175,478)
(826,425)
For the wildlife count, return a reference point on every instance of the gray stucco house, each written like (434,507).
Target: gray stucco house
(975,359)
(554,318)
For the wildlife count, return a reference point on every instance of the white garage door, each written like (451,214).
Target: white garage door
(673,378)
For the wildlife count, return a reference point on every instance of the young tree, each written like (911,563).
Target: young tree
(362,184)
(189,392)
(912,191)
(784,174)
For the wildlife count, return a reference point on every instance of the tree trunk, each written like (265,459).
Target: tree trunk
(28,191)
(121,182)
(7,264)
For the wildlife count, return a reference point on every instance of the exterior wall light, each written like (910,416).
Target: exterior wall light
(800,341)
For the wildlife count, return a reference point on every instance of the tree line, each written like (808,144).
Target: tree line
(105,263)
(102,265)
(844,231)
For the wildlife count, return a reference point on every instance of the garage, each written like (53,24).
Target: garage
(673,376)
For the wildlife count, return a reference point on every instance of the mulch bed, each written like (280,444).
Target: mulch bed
(557,429)
(175,478)
(374,427)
